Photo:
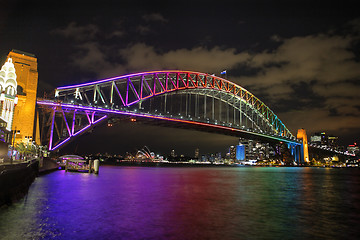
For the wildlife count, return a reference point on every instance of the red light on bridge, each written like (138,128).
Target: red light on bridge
(133,119)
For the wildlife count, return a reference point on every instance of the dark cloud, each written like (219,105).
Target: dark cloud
(142,29)
(310,80)
(117,34)
(91,56)
(78,32)
(155,17)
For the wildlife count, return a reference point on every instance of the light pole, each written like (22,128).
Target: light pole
(13,144)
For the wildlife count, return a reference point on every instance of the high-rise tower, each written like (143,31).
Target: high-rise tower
(27,79)
(197,151)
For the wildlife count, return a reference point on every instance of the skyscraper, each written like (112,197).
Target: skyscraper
(333,141)
(232,151)
(172,154)
(240,152)
(324,139)
(196,156)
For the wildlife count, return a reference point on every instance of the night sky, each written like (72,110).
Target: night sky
(299,57)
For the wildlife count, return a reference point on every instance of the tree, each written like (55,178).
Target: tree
(25,149)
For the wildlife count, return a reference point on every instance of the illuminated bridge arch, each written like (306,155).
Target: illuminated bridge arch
(185,97)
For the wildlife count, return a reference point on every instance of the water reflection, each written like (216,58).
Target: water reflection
(188,203)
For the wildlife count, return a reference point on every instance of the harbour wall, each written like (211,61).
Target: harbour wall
(15,179)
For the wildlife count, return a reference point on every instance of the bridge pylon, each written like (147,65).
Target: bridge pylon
(304,152)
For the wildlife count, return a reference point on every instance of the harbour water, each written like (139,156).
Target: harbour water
(188,203)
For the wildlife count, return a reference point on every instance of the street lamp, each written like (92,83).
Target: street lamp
(13,144)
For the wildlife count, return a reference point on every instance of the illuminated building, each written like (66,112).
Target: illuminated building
(232,151)
(301,134)
(25,65)
(353,149)
(172,154)
(319,139)
(144,154)
(252,150)
(333,141)
(196,153)
(240,152)
(8,99)
(249,147)
(324,139)
(316,139)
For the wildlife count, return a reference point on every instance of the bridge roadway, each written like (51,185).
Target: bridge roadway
(170,121)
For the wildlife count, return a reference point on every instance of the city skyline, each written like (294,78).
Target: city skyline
(300,59)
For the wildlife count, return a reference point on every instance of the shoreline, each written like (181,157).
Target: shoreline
(197,165)
(16,179)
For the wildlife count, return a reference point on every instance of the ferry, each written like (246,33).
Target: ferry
(77,163)
(68,158)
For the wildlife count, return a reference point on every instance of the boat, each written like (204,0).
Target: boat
(65,158)
(77,163)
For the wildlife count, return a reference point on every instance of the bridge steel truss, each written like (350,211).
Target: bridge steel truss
(179,96)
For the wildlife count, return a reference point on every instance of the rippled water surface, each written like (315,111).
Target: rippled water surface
(188,203)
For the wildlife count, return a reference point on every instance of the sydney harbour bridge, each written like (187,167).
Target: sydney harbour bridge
(176,98)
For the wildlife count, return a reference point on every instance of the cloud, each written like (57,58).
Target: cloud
(117,33)
(338,90)
(318,119)
(154,17)
(142,29)
(323,67)
(145,29)
(77,32)
(317,58)
(140,57)
(355,25)
(321,57)
(91,57)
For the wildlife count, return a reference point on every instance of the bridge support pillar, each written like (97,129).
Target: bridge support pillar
(295,151)
(300,156)
(301,134)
